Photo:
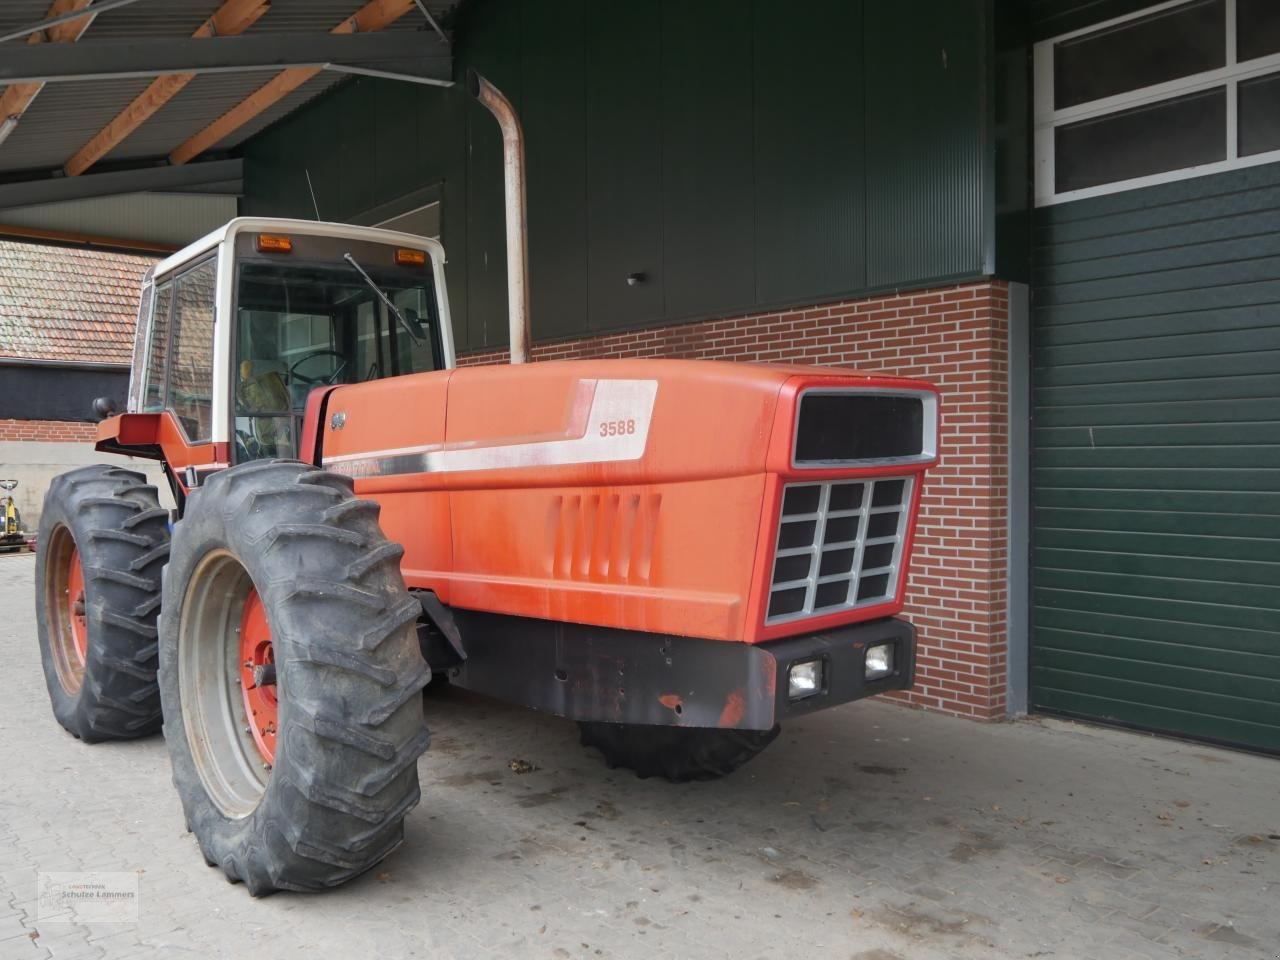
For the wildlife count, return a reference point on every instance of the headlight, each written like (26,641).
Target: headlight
(804,679)
(879,661)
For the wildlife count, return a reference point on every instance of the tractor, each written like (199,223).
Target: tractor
(678,555)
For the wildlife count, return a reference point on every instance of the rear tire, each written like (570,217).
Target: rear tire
(343,771)
(104,538)
(678,754)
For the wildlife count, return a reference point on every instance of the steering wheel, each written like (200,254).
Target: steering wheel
(331,378)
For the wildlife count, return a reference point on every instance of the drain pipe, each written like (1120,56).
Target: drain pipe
(513,191)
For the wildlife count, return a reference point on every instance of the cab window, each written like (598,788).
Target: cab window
(300,326)
(190,392)
(157,350)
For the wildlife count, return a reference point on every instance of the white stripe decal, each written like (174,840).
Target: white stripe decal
(614,428)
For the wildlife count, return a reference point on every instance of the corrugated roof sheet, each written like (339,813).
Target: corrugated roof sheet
(68,304)
(66,115)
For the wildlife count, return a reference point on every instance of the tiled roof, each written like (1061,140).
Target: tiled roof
(69,304)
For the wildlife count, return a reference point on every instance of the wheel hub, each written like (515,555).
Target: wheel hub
(258,676)
(65,610)
(76,614)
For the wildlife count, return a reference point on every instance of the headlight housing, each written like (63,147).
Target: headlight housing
(804,679)
(879,661)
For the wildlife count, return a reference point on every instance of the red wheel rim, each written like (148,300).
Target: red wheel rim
(261,707)
(77,616)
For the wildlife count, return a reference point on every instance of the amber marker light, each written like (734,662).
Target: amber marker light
(411,258)
(274,243)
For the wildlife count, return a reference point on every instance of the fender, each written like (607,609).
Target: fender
(157,436)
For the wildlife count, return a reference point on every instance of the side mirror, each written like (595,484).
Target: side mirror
(414,325)
(104,407)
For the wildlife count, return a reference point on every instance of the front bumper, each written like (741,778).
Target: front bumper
(622,676)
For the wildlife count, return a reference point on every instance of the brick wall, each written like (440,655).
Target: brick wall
(957,338)
(48,430)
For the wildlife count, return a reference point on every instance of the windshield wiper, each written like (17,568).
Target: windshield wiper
(417,334)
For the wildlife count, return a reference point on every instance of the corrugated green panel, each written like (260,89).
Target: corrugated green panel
(1214,218)
(494,50)
(1170,308)
(1246,695)
(554,117)
(441,153)
(1189,255)
(624,165)
(1140,712)
(358,130)
(1093,497)
(810,150)
(1178,367)
(926,119)
(275,181)
(396,162)
(708,170)
(1170,641)
(1188,435)
(1157,458)
(1087,598)
(1138,518)
(1177,547)
(1192,457)
(1240,332)
(718,148)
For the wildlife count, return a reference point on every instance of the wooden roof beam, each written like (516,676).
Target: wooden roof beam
(17,98)
(233,17)
(374,15)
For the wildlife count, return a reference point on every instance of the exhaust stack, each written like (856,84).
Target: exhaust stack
(513,191)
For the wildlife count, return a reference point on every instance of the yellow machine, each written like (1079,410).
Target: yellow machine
(11,536)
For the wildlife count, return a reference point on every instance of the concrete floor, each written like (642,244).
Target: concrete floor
(869,831)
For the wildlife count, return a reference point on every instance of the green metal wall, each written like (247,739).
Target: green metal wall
(740,155)
(1156,328)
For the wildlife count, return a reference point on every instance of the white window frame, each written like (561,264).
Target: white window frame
(1047,119)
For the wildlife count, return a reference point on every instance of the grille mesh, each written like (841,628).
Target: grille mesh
(839,546)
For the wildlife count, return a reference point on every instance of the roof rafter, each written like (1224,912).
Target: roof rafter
(17,97)
(374,15)
(233,17)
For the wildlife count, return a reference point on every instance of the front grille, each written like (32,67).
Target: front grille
(839,546)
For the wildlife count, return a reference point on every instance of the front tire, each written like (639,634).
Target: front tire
(102,543)
(678,754)
(298,777)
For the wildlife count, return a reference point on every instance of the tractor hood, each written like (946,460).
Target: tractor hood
(643,494)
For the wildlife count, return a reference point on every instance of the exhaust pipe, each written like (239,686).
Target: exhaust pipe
(513,191)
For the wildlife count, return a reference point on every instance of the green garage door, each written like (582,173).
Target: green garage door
(1156,329)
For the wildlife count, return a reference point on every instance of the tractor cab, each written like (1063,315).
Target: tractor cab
(237,331)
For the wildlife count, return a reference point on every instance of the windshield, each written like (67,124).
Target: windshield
(300,326)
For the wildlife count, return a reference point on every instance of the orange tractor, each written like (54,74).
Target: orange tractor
(679,555)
